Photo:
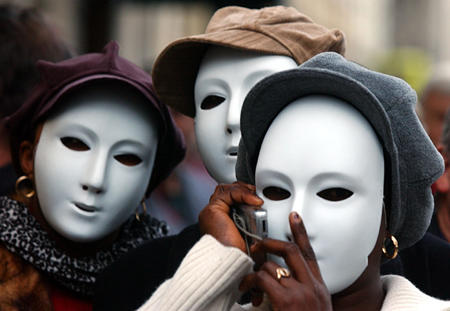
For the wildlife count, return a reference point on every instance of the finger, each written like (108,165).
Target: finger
(248,285)
(215,218)
(291,255)
(219,197)
(241,194)
(248,186)
(300,237)
(257,298)
(228,195)
(258,256)
(262,281)
(271,268)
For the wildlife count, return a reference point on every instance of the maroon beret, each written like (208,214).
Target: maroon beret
(58,78)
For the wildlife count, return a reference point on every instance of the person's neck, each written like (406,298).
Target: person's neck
(367,292)
(368,296)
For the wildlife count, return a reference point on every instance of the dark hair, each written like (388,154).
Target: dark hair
(25,37)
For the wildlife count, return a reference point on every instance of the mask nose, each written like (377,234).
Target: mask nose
(234,116)
(95,175)
(299,205)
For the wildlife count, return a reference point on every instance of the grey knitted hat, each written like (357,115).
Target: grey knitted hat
(412,162)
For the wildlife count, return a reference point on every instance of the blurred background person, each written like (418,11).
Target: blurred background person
(25,37)
(440,223)
(433,109)
(435,101)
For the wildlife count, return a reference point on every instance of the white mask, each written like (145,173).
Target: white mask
(316,144)
(93,162)
(225,77)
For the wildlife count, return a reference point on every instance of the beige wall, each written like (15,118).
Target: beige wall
(144,30)
(372,28)
(366,24)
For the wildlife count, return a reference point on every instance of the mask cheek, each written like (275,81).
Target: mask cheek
(127,189)
(278,224)
(210,126)
(56,173)
(344,255)
(278,219)
(213,144)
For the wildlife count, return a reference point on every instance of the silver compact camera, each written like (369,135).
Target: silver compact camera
(251,222)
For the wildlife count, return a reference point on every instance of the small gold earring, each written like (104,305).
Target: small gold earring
(394,242)
(24,187)
(144,210)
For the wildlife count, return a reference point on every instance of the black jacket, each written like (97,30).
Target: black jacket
(129,282)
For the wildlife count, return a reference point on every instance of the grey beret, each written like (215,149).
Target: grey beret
(412,162)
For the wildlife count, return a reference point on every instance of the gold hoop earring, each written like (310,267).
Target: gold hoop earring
(24,187)
(394,242)
(144,210)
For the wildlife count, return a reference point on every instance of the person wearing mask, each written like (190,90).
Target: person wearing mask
(89,145)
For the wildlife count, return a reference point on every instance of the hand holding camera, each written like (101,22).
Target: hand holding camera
(215,218)
(301,287)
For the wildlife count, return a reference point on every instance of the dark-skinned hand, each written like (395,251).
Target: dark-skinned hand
(304,289)
(215,218)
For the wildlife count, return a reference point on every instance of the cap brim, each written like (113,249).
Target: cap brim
(176,67)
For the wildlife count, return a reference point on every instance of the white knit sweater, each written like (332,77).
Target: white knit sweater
(209,276)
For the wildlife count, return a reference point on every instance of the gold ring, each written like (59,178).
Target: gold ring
(282,273)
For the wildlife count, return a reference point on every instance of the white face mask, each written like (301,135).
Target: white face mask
(224,79)
(327,159)
(93,163)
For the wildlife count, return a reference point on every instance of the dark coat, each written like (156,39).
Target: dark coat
(130,281)
(426,264)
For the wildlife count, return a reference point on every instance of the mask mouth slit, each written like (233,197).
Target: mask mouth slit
(85,208)
(232,151)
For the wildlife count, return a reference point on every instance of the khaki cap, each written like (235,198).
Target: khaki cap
(274,30)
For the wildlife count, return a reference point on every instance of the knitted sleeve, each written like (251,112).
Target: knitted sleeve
(401,294)
(207,279)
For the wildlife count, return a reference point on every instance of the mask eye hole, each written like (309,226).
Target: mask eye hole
(128,159)
(335,194)
(276,193)
(211,101)
(74,143)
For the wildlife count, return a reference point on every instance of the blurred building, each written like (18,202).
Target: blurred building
(144,27)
